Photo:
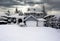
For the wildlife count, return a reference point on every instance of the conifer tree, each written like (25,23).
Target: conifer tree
(20,13)
(8,13)
(16,11)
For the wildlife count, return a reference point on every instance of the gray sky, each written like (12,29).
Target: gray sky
(54,3)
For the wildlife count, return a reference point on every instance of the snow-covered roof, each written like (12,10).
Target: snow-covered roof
(33,12)
(36,8)
(48,16)
(41,19)
(31,16)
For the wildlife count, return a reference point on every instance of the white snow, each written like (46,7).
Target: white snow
(2,14)
(16,33)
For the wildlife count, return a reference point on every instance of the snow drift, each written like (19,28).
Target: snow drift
(16,33)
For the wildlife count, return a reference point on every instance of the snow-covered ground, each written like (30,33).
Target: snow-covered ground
(16,33)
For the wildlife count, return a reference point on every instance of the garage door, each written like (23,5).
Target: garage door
(31,23)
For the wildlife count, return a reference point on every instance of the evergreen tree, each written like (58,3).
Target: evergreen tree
(16,11)
(8,13)
(20,13)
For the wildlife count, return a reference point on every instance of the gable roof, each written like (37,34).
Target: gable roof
(30,17)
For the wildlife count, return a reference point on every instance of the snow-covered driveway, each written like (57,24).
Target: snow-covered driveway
(16,33)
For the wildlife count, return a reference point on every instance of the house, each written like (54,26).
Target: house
(38,12)
(31,21)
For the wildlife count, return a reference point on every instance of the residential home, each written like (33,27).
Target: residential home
(37,12)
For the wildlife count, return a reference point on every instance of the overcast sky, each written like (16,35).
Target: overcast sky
(54,3)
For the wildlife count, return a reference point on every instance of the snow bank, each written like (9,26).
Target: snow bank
(16,33)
